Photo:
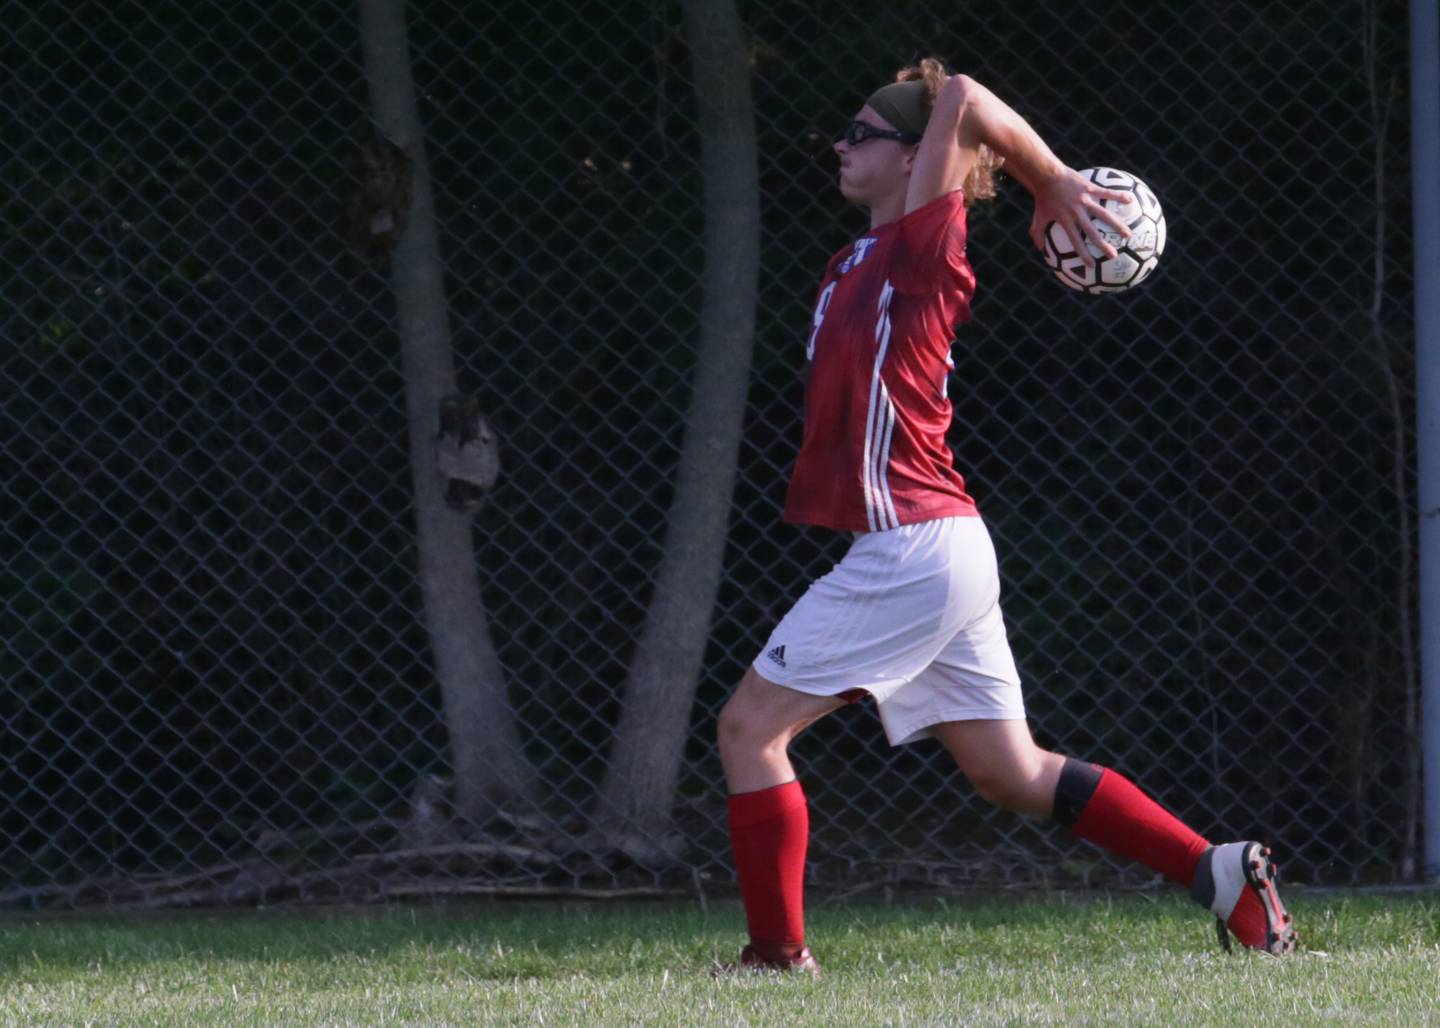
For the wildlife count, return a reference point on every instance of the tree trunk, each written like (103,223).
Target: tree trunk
(489,770)
(638,791)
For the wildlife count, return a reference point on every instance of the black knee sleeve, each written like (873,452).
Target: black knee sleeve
(1078,781)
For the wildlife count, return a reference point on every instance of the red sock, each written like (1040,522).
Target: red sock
(1124,820)
(769,830)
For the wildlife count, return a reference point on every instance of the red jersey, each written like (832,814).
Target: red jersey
(876,411)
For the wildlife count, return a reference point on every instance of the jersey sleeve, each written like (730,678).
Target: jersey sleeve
(931,255)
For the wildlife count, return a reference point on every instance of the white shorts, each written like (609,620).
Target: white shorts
(911,616)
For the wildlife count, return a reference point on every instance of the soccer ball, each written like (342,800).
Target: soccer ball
(1135,257)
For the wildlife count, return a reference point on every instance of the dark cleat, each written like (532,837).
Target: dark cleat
(752,961)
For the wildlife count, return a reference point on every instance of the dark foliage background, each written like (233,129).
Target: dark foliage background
(211,628)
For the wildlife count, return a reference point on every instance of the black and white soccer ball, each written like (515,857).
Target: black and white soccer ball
(1135,258)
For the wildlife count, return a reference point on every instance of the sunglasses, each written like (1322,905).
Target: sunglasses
(857,132)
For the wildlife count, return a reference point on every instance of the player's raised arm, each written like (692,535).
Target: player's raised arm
(943,159)
(967,114)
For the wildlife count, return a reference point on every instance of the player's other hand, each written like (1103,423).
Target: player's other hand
(1068,198)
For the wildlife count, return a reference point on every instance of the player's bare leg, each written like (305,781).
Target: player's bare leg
(769,819)
(1003,763)
(756,727)
(1235,881)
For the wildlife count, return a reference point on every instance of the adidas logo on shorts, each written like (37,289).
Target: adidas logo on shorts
(777,655)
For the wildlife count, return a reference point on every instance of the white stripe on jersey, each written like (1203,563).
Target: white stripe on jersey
(879,429)
(888,517)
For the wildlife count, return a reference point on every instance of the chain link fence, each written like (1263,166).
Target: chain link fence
(218,683)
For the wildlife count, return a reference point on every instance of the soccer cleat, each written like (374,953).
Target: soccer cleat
(752,961)
(1222,878)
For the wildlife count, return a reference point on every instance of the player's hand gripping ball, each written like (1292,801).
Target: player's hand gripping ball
(1135,258)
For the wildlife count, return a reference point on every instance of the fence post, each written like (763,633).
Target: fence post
(1425,171)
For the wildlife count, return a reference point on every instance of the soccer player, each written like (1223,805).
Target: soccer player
(910,615)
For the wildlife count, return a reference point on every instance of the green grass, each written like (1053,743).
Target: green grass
(1022,960)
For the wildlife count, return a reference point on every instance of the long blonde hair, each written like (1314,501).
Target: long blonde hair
(980,182)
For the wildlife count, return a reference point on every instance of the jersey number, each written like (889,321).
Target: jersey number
(819,319)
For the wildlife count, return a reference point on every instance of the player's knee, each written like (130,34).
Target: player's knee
(1001,788)
(737,728)
(747,726)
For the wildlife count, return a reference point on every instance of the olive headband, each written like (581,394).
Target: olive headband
(902,104)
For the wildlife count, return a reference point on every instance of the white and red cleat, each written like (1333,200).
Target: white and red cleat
(1225,879)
